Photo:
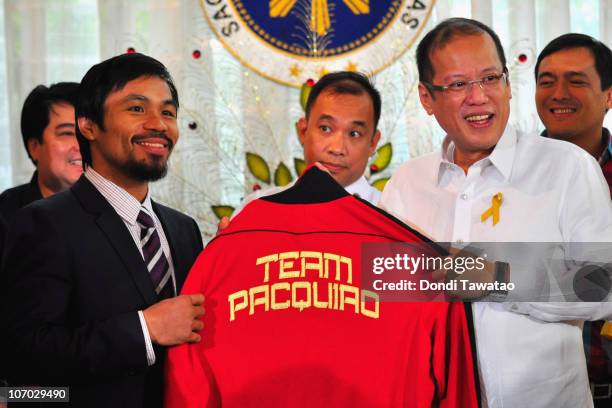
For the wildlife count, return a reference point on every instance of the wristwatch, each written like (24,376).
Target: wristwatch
(502,275)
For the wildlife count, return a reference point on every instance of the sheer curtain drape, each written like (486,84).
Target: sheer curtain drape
(226,109)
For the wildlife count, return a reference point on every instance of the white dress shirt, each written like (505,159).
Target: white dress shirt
(128,208)
(529,354)
(361,188)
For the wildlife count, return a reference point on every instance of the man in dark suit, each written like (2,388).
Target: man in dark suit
(47,129)
(92,272)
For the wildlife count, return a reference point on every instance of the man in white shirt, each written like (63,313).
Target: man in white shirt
(529,354)
(339,131)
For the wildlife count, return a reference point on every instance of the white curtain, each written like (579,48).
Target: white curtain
(227,109)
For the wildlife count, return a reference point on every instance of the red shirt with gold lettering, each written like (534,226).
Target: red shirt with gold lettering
(288,325)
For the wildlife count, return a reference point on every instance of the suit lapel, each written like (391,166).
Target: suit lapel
(117,234)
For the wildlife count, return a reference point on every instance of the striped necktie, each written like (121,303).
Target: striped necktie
(154,257)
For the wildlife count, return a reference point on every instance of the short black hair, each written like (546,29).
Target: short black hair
(111,76)
(37,108)
(601,54)
(443,33)
(345,82)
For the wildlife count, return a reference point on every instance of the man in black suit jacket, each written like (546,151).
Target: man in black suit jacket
(47,130)
(91,272)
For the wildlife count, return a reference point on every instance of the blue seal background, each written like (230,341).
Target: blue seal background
(349,31)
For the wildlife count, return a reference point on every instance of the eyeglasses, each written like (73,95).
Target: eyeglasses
(488,83)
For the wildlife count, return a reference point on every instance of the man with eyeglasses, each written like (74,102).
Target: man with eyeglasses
(493,183)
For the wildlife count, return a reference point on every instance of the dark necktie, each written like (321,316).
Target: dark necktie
(154,257)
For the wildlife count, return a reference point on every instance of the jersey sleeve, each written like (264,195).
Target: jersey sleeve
(453,359)
(189,381)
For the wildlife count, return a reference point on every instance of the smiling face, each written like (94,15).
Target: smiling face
(139,132)
(57,158)
(339,133)
(569,98)
(475,119)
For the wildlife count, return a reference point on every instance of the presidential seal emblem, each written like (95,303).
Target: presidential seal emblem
(290,41)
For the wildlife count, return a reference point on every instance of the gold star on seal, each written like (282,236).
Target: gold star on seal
(320,21)
(323,71)
(294,70)
(351,66)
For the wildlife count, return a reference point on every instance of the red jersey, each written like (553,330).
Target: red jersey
(288,325)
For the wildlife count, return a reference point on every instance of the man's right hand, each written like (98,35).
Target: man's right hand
(176,320)
(224,222)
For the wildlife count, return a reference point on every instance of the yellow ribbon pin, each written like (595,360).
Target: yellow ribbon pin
(496,202)
(606,330)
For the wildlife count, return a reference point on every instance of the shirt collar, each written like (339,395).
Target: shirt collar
(34,192)
(125,204)
(359,186)
(501,157)
(503,154)
(607,153)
